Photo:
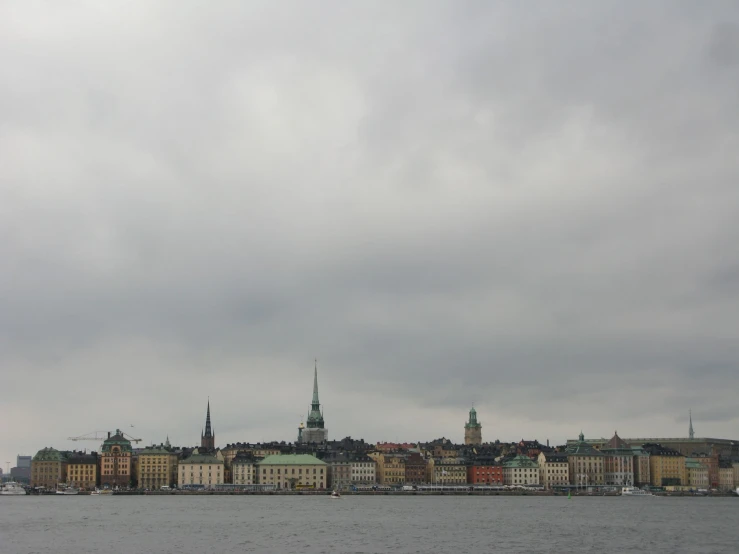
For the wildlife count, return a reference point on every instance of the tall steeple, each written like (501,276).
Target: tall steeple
(315,417)
(315,404)
(690,429)
(208,438)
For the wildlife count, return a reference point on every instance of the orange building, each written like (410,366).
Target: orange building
(116,461)
(485,474)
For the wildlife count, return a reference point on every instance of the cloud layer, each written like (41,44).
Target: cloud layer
(533,208)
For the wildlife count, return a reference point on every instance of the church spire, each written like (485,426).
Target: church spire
(690,428)
(208,430)
(208,438)
(315,417)
(315,404)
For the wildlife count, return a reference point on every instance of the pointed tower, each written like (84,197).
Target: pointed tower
(473,429)
(208,438)
(691,435)
(315,430)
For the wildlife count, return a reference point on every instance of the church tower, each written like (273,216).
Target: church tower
(473,429)
(208,437)
(315,430)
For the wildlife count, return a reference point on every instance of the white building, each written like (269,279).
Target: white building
(244,469)
(554,470)
(521,470)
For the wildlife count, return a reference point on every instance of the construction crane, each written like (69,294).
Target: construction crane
(100,436)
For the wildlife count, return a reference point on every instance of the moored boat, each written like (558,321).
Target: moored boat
(68,490)
(335,494)
(11,488)
(632,491)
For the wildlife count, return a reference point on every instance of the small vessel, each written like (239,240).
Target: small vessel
(11,488)
(632,491)
(68,490)
(335,494)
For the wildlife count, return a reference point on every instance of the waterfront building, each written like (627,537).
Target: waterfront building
(618,462)
(448,471)
(315,431)
(293,471)
(116,462)
(586,464)
(697,474)
(485,474)
(711,463)
(415,469)
(200,469)
(339,471)
(473,429)
(554,469)
(208,436)
(48,468)
(156,467)
(641,466)
(521,470)
(735,466)
(82,470)
(390,468)
(21,473)
(363,470)
(725,476)
(666,466)
(244,469)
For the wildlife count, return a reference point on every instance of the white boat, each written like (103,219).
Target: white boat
(68,490)
(632,491)
(336,495)
(11,488)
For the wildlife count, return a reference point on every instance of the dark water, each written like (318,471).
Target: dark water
(413,524)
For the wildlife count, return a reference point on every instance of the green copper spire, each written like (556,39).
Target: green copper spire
(315,417)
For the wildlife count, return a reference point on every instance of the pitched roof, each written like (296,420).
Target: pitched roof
(201,459)
(582,448)
(292,459)
(521,461)
(617,446)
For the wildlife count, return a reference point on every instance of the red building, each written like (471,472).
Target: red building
(485,475)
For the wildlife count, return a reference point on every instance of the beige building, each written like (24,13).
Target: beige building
(82,470)
(48,468)
(666,466)
(447,472)
(725,476)
(244,469)
(390,468)
(293,471)
(200,469)
(697,474)
(641,466)
(521,470)
(363,471)
(156,467)
(554,470)
(587,467)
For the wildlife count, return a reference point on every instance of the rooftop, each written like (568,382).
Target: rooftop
(291,459)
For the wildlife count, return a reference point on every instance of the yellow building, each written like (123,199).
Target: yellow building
(666,466)
(156,468)
(696,473)
(390,468)
(725,476)
(48,468)
(200,470)
(586,464)
(82,470)
(293,471)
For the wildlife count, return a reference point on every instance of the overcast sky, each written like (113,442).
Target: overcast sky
(529,206)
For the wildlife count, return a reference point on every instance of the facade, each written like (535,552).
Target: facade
(618,462)
(586,464)
(156,468)
(48,468)
(711,463)
(204,470)
(485,474)
(293,471)
(554,470)
(521,470)
(666,466)
(116,463)
(448,472)
(363,470)
(473,429)
(697,474)
(82,470)
(315,431)
(725,476)
(642,476)
(244,469)
(208,436)
(415,469)
(390,468)
(339,472)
